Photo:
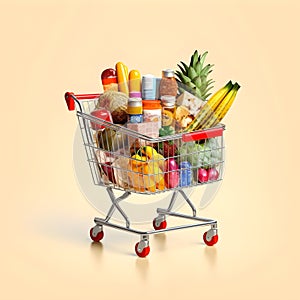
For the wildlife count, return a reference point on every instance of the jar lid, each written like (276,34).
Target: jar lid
(168,73)
(134,99)
(168,98)
(134,102)
(151,104)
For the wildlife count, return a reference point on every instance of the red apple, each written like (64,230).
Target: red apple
(213,174)
(202,175)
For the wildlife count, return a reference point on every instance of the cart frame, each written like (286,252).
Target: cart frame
(142,247)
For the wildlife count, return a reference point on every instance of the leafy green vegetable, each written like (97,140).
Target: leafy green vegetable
(166,130)
(203,155)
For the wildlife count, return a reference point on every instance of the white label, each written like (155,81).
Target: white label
(148,82)
(152,116)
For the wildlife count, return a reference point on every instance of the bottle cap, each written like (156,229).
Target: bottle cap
(168,73)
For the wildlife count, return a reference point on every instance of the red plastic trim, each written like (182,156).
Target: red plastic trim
(87,96)
(202,134)
(70,100)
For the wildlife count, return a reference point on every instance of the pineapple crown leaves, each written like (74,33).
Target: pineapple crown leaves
(194,76)
(194,59)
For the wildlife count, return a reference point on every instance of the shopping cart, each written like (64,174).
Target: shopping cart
(123,159)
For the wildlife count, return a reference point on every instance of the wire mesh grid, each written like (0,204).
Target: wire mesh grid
(129,161)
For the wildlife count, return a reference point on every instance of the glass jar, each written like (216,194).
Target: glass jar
(168,111)
(168,84)
(135,110)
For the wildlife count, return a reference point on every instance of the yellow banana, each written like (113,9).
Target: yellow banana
(215,99)
(213,103)
(223,108)
(209,107)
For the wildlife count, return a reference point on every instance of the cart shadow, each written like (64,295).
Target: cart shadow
(60,227)
(96,248)
(142,267)
(160,241)
(96,251)
(211,254)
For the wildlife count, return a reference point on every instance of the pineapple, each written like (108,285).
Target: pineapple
(193,78)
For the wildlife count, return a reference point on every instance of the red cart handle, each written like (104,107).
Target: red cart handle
(202,134)
(70,97)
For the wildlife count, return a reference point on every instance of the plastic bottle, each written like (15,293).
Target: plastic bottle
(135,84)
(148,87)
(109,80)
(152,111)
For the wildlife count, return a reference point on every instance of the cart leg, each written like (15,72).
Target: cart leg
(173,199)
(188,202)
(116,205)
(110,213)
(160,221)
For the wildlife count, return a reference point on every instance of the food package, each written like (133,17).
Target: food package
(116,103)
(150,129)
(120,169)
(182,117)
(191,102)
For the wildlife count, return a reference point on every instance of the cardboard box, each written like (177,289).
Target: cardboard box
(150,129)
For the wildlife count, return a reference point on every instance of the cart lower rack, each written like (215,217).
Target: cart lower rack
(123,159)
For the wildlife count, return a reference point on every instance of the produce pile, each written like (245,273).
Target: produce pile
(163,109)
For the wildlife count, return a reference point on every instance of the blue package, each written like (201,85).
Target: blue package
(185,173)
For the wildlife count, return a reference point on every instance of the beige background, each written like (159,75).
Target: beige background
(50,47)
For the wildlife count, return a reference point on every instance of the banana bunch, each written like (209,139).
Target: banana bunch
(215,108)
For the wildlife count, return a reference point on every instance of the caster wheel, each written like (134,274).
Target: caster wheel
(141,250)
(96,233)
(210,237)
(157,224)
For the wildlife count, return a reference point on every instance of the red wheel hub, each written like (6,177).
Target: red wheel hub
(213,240)
(143,253)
